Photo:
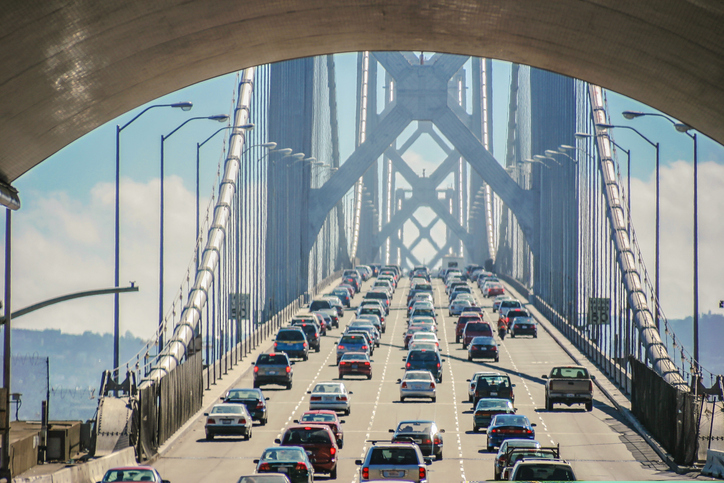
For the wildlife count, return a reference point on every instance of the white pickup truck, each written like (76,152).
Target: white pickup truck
(569,385)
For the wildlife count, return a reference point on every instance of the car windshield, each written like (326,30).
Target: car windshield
(243,394)
(319,417)
(129,475)
(272,359)
(283,454)
(393,456)
(308,435)
(228,409)
(414,427)
(327,388)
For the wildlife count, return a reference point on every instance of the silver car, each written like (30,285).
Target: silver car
(394,461)
(417,384)
(228,419)
(330,395)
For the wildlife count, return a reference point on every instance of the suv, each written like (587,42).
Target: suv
(311,331)
(292,341)
(318,441)
(352,343)
(424,360)
(320,304)
(399,461)
(493,385)
(463,320)
(273,369)
(475,329)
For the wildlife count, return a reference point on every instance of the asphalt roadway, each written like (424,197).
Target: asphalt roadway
(598,444)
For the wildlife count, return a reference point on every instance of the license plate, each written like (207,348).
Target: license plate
(226,421)
(354,366)
(570,395)
(284,469)
(272,373)
(493,393)
(393,474)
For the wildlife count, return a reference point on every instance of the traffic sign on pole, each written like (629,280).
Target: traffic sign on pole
(239,306)
(599,310)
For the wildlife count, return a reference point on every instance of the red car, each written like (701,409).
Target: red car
(327,417)
(355,364)
(476,329)
(317,439)
(493,290)
(463,321)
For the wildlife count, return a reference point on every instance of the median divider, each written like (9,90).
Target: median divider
(89,472)
(714,466)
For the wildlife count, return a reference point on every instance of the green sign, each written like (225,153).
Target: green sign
(599,311)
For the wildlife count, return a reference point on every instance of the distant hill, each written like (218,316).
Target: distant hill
(711,340)
(76,363)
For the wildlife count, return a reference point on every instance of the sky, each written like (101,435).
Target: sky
(63,234)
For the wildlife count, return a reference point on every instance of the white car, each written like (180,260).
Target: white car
(423,345)
(330,395)
(228,419)
(417,384)
(458,306)
(425,336)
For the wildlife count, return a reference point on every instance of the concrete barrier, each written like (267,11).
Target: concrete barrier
(89,472)
(714,466)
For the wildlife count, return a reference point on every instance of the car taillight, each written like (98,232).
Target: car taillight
(426,441)
(367,363)
(316,335)
(432,385)
(438,365)
(437,439)
(342,363)
(300,467)
(495,430)
(590,387)
(495,349)
(332,450)
(423,473)
(288,369)
(341,398)
(304,344)
(340,347)
(365,473)
(210,421)
(275,345)
(315,398)
(256,368)
(408,365)
(364,347)
(404,385)
(259,404)
(264,467)
(242,421)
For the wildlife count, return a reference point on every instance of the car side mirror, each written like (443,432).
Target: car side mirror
(532,424)
(350,392)
(309,392)
(442,430)
(593,377)
(428,461)
(358,462)
(342,421)
(296,421)
(255,461)
(399,381)
(266,398)
(278,441)
(390,430)
(544,376)
(206,414)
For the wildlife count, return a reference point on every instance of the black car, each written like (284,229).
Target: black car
(425,434)
(254,401)
(493,385)
(425,360)
(311,331)
(274,368)
(524,326)
(483,348)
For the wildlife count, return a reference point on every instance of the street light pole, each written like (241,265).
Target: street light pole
(185,106)
(219,118)
(658,226)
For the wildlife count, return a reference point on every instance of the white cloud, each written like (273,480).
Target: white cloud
(676,232)
(62,246)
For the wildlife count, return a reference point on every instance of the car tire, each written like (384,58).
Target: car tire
(438,456)
(264,421)
(341,376)
(305,357)
(346,412)
(470,399)
(465,346)
(549,404)
(490,448)
(512,335)
(497,359)
(589,406)
(256,385)
(475,429)
(434,399)
(317,349)
(457,339)
(402,399)
(209,437)
(535,336)
(289,385)
(470,358)
(247,436)
(333,474)
(369,377)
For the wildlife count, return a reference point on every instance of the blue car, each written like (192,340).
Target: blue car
(293,342)
(508,426)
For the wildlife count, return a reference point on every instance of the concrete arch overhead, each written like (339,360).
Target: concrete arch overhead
(70,66)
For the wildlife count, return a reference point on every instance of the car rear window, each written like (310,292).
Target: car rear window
(422,356)
(478,327)
(493,381)
(393,456)
(320,304)
(376,295)
(243,394)
(571,372)
(319,417)
(291,335)
(272,359)
(302,436)
(353,339)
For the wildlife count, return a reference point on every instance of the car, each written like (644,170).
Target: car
(317,439)
(419,304)
(320,303)
(380,295)
(422,344)
(457,307)
(333,315)
(342,294)
(386,284)
(489,407)
(133,473)
(483,348)
(475,329)
(465,296)
(498,300)
(425,434)
(311,332)
(289,460)
(425,336)
(367,334)
(326,318)
(524,326)
(500,458)
(293,342)
(372,310)
(254,401)
(428,311)
(513,455)
(417,384)
(507,305)
(365,326)
(511,315)
(472,381)
(264,478)
(411,331)
(493,385)
(273,368)
(331,395)
(474,309)
(336,304)
(542,470)
(423,321)
(422,360)
(386,461)
(421,297)
(463,320)
(355,364)
(228,419)
(460,289)
(352,343)
(375,320)
(493,289)
(504,426)
(326,417)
